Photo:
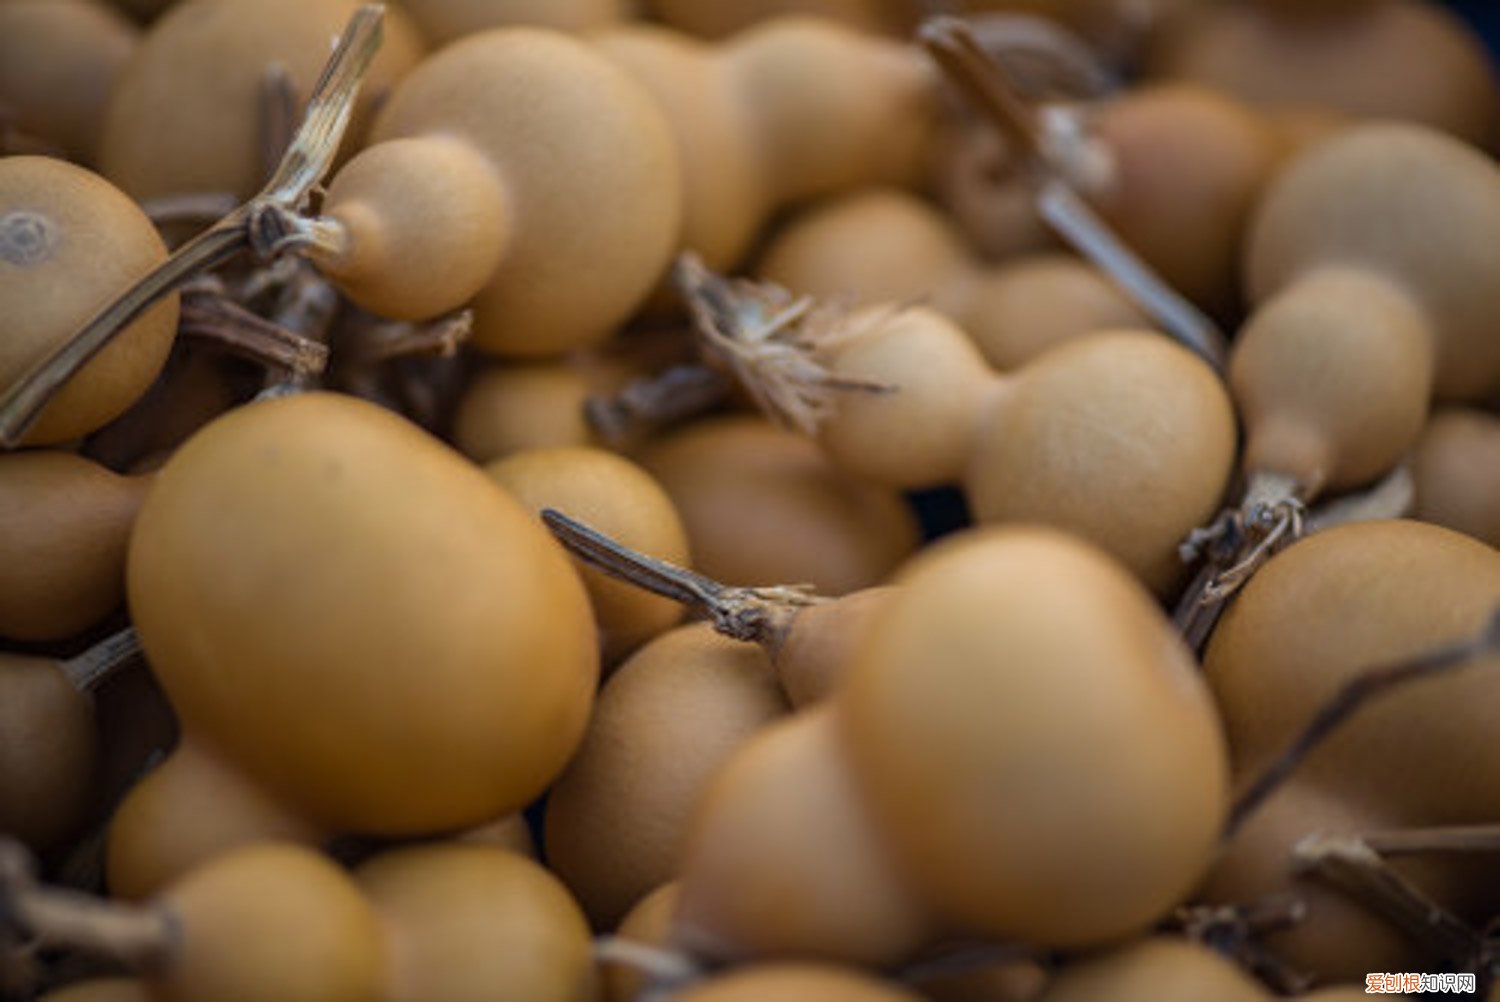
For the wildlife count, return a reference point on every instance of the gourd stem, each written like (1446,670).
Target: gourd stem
(374,342)
(87,671)
(1352,866)
(1237,930)
(143,938)
(661,964)
(1354,694)
(248,335)
(755,615)
(259,225)
(1453,838)
(651,403)
(194,207)
(988,83)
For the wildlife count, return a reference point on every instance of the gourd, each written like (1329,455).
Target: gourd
(788,110)
(65,522)
(443,21)
(1456,471)
(69,243)
(430,661)
(1033,742)
(58,62)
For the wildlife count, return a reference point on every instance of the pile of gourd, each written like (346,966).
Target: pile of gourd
(301,687)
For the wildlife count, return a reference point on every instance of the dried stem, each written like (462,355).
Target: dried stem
(1350,865)
(662,965)
(756,615)
(1236,931)
(769,341)
(1449,839)
(1392,497)
(278,115)
(87,671)
(194,207)
(374,342)
(1047,59)
(1058,162)
(268,225)
(1237,544)
(1354,694)
(143,938)
(247,335)
(651,403)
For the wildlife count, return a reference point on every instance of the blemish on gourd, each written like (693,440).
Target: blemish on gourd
(26,238)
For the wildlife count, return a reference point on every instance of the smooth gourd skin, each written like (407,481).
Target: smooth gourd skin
(473,922)
(621,500)
(443,21)
(512,408)
(101,990)
(1033,739)
(186,113)
(48,751)
(664,722)
(386,640)
(1121,437)
(920,433)
(1389,59)
(64,526)
(716,20)
(191,808)
(782,859)
(588,167)
(649,922)
(1457,473)
(426,222)
(796,982)
(814,654)
(1189,164)
(1410,205)
(1332,605)
(1155,970)
(58,62)
(763,506)
(272,921)
(70,243)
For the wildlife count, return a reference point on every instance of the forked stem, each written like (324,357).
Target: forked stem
(1236,931)
(756,615)
(268,225)
(1349,699)
(142,938)
(1059,161)
(769,340)
(244,334)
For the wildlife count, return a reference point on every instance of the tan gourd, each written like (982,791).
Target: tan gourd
(794,982)
(622,500)
(432,661)
(1033,741)
(1155,970)
(476,922)
(58,62)
(1385,59)
(1369,264)
(511,408)
(649,923)
(886,246)
(1457,473)
(665,720)
(1328,607)
(70,242)
(788,110)
(1120,437)
(763,506)
(782,860)
(516,168)
(101,990)
(64,526)
(717,20)
(443,21)
(187,114)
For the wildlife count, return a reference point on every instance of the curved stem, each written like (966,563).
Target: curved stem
(143,938)
(1355,693)
(87,671)
(251,226)
(755,615)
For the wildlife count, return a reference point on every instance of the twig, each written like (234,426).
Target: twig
(1354,694)
(268,225)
